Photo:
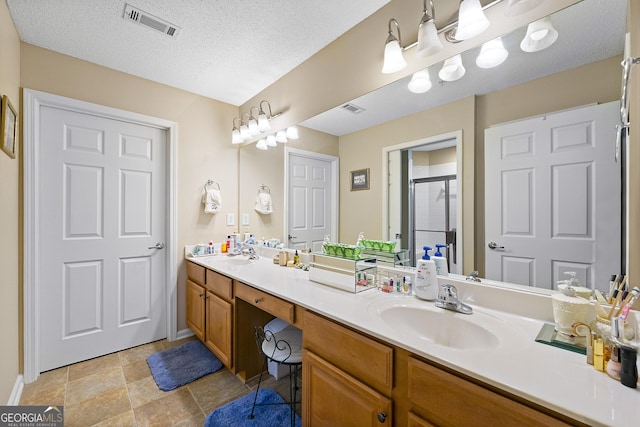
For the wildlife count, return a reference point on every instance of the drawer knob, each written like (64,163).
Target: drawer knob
(200,295)
(382,417)
(257,300)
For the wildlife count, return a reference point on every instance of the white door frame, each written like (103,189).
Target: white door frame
(32,101)
(334,188)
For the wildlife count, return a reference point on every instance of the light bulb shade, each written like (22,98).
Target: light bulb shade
(271,141)
(420,82)
(452,69)
(393,59)
(235,137)
(281,136)
(471,20)
(492,54)
(428,41)
(261,144)
(540,35)
(244,132)
(292,132)
(253,127)
(518,7)
(263,123)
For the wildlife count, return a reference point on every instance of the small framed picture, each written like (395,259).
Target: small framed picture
(360,179)
(8,128)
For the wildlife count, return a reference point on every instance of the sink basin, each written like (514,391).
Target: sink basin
(237,261)
(439,327)
(422,322)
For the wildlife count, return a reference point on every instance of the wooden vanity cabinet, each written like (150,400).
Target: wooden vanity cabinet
(439,397)
(210,306)
(346,377)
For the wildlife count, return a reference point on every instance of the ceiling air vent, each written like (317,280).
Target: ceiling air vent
(353,108)
(143,18)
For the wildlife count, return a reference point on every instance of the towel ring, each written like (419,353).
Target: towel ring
(209,182)
(264,189)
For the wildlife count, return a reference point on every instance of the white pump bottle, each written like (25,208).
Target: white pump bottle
(426,283)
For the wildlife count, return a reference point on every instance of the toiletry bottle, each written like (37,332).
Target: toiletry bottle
(629,369)
(426,283)
(442,269)
(296,258)
(210,248)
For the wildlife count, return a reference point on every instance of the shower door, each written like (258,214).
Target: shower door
(433,217)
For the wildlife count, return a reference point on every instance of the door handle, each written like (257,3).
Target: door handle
(158,245)
(494,245)
(292,237)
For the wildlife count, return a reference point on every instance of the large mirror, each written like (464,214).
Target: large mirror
(581,68)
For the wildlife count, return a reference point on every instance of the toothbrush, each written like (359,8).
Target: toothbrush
(628,303)
(618,293)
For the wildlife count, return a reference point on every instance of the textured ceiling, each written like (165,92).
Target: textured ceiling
(228,50)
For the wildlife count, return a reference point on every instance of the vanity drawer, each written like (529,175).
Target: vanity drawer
(220,285)
(195,272)
(366,359)
(266,302)
(448,400)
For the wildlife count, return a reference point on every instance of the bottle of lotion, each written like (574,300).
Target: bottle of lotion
(426,282)
(442,269)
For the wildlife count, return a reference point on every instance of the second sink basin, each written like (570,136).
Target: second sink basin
(439,327)
(421,321)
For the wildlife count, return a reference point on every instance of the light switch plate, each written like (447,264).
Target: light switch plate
(245,219)
(231,218)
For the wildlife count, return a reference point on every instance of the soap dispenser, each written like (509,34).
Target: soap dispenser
(426,282)
(442,269)
(569,308)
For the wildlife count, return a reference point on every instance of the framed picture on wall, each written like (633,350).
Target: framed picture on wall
(360,179)
(8,128)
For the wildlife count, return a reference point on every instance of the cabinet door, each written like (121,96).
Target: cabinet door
(195,308)
(331,397)
(219,327)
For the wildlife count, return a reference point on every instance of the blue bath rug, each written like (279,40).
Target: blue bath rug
(180,365)
(236,413)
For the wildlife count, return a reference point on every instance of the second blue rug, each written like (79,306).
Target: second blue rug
(180,365)
(236,413)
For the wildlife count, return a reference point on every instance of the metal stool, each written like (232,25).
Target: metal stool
(284,348)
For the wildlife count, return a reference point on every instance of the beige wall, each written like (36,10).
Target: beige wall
(435,157)
(10,234)
(204,149)
(259,167)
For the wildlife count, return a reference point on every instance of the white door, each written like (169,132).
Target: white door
(102,200)
(552,197)
(312,208)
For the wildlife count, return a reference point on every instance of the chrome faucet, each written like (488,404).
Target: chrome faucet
(473,276)
(448,299)
(249,251)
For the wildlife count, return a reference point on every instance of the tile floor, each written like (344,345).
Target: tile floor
(118,390)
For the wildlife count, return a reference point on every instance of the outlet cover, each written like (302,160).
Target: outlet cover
(231,218)
(245,219)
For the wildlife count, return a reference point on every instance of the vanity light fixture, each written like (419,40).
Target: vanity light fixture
(261,144)
(492,54)
(420,81)
(471,20)
(244,129)
(271,141)
(292,132)
(253,123)
(393,59)
(263,119)
(235,133)
(281,136)
(540,35)
(428,41)
(452,69)
(518,7)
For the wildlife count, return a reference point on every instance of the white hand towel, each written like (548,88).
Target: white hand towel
(212,201)
(263,203)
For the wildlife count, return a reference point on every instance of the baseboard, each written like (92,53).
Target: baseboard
(184,333)
(14,399)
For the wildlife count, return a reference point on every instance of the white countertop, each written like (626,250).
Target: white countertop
(554,378)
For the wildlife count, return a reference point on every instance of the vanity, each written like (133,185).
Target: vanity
(391,359)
